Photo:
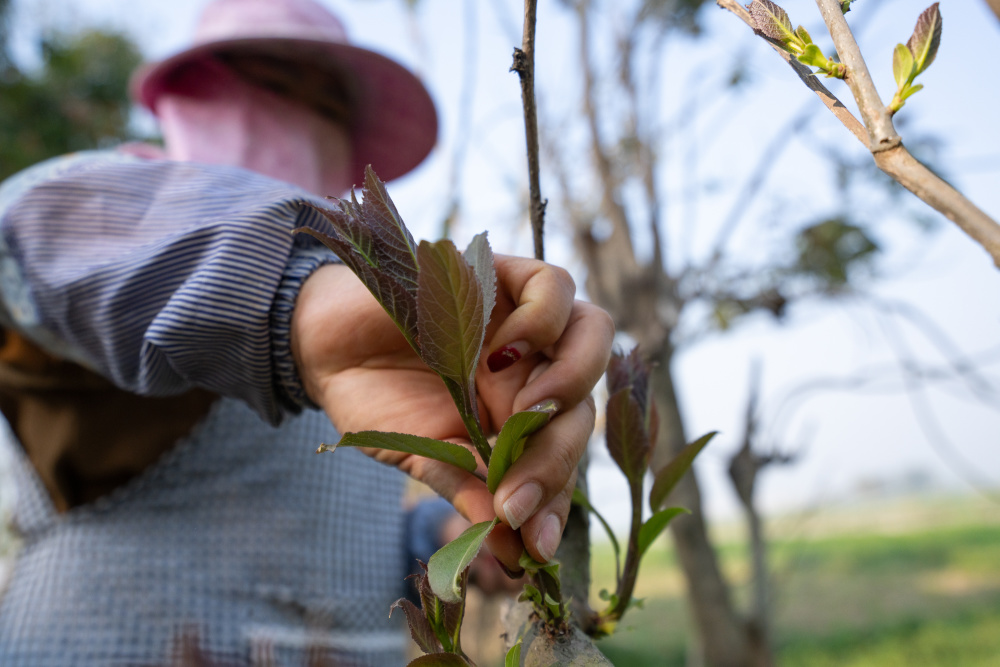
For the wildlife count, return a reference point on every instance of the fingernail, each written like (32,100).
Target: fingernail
(549,537)
(522,504)
(506,356)
(550,406)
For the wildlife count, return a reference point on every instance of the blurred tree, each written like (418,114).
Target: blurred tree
(76,100)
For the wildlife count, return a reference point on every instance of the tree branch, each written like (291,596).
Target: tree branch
(880,137)
(881,134)
(524,65)
(829,100)
(995,6)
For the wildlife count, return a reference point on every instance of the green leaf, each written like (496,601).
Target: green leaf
(438,450)
(447,565)
(902,66)
(513,657)
(771,21)
(814,57)
(845,6)
(803,36)
(479,255)
(581,499)
(439,660)
(530,565)
(420,629)
(628,442)
(926,38)
(510,442)
(667,478)
(655,525)
(910,90)
(450,319)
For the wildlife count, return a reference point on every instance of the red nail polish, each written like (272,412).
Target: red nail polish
(503,358)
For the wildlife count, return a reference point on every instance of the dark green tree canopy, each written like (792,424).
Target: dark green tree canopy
(77,99)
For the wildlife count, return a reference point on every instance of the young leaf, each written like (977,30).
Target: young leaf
(396,248)
(479,255)
(360,257)
(438,450)
(655,525)
(845,6)
(771,21)
(803,35)
(926,38)
(445,618)
(910,90)
(451,322)
(667,478)
(902,66)
(510,441)
(420,629)
(628,441)
(814,57)
(447,565)
(439,660)
(374,243)
(581,499)
(513,657)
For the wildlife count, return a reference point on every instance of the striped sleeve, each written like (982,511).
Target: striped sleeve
(160,276)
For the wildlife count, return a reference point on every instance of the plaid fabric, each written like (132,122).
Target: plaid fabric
(242,541)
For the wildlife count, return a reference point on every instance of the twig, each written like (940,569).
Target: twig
(887,148)
(829,100)
(880,136)
(524,65)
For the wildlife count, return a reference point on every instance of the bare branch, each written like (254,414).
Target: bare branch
(881,133)
(524,65)
(932,189)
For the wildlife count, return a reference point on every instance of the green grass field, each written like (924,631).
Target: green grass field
(914,584)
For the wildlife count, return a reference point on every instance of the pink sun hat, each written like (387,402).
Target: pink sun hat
(299,49)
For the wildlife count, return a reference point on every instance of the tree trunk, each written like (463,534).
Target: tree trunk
(724,639)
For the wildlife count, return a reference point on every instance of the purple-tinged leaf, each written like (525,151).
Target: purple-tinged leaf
(420,629)
(628,440)
(439,660)
(479,255)
(771,21)
(445,568)
(451,323)
(396,248)
(655,525)
(926,38)
(445,618)
(439,450)
(374,243)
(665,480)
(392,295)
(631,371)
(510,441)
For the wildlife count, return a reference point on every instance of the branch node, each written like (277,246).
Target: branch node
(520,64)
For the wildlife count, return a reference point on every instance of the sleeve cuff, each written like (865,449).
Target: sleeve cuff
(306,257)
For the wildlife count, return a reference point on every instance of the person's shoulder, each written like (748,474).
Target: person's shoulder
(14,187)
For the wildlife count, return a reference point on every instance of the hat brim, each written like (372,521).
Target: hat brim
(394,122)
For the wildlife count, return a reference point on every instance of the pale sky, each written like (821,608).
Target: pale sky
(845,437)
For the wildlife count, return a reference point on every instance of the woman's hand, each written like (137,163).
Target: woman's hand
(541,343)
